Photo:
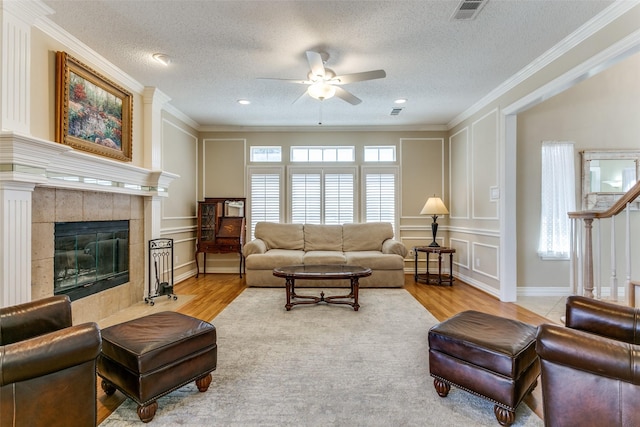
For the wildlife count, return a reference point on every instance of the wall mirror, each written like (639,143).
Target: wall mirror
(607,175)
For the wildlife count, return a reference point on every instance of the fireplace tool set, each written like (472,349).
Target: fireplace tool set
(160,270)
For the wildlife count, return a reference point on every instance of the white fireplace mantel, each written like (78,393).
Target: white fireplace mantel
(27,162)
(32,160)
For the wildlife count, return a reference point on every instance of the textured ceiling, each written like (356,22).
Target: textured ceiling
(220,49)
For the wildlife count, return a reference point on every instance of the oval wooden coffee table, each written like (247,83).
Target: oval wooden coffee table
(322,272)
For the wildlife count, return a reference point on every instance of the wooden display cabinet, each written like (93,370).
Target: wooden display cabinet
(221,228)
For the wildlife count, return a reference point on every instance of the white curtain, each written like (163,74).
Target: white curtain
(557,199)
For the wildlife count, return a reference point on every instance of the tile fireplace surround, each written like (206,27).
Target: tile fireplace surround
(51,205)
(41,183)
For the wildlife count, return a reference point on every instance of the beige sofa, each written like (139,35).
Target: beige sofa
(367,245)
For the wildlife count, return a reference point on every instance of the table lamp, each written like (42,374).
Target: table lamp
(434,207)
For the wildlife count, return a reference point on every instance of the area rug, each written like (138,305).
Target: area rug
(321,365)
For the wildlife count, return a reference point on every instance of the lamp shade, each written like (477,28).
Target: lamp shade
(434,206)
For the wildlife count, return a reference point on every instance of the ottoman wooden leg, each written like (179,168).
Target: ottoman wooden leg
(504,416)
(441,387)
(148,411)
(203,382)
(107,387)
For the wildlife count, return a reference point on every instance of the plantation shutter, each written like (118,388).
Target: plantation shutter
(322,195)
(265,198)
(380,197)
(339,197)
(305,198)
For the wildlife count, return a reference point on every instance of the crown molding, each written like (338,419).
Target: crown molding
(29,12)
(408,128)
(604,18)
(182,117)
(88,55)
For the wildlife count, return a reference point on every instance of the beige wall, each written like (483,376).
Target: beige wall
(602,112)
(421,156)
(180,156)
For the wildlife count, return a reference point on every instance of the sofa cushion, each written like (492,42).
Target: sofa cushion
(375,260)
(274,258)
(366,236)
(391,246)
(324,257)
(280,236)
(319,237)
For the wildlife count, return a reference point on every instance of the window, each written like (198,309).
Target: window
(557,199)
(385,153)
(319,194)
(266,154)
(265,196)
(380,194)
(322,154)
(322,196)
(339,198)
(306,198)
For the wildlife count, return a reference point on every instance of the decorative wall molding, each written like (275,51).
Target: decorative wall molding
(476,269)
(15,243)
(474,231)
(179,230)
(474,196)
(466,176)
(465,243)
(15,74)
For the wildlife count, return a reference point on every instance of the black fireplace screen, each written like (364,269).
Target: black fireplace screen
(90,257)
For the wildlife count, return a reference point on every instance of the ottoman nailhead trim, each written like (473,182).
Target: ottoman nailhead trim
(163,394)
(502,405)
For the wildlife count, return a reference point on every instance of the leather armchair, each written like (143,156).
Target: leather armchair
(47,366)
(590,369)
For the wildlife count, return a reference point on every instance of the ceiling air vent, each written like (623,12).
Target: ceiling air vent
(468,10)
(395,111)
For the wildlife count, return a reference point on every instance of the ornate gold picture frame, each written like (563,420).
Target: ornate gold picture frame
(92,113)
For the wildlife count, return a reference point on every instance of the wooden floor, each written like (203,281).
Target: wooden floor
(213,292)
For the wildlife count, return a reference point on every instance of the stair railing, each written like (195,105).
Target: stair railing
(581,260)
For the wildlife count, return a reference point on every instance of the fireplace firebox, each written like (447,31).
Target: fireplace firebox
(90,256)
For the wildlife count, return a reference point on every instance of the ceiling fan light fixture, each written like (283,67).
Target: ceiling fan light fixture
(321,90)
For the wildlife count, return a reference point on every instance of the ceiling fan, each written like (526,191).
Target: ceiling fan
(324,83)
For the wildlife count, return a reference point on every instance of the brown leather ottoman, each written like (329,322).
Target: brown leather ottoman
(149,357)
(489,356)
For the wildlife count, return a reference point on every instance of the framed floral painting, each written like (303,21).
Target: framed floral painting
(93,113)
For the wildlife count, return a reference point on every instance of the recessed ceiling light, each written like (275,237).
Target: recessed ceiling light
(162,58)
(400,100)
(244,101)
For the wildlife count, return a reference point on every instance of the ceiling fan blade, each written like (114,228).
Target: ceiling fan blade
(299,98)
(347,96)
(315,63)
(358,77)
(297,81)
